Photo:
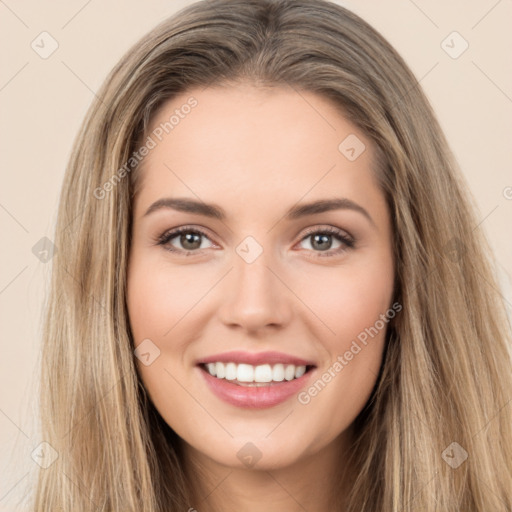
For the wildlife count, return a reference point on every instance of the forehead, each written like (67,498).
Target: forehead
(271,145)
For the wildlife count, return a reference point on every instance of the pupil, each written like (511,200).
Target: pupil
(188,239)
(324,241)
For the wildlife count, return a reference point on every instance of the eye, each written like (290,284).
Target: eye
(189,238)
(321,239)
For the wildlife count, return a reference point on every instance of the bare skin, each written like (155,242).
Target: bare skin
(256,153)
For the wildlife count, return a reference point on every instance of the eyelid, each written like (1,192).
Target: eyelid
(327,229)
(169,234)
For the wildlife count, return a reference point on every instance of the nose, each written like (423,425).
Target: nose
(254,297)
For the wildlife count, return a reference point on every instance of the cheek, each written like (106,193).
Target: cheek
(355,304)
(349,300)
(157,299)
(366,296)
(159,296)
(161,302)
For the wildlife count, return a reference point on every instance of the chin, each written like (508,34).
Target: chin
(255,454)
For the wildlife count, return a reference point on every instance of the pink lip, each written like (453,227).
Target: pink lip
(255,358)
(254,397)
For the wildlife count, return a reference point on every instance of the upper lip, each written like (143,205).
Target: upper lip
(256,358)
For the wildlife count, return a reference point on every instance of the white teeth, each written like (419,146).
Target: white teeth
(230,371)
(289,372)
(300,371)
(263,373)
(220,372)
(245,373)
(278,373)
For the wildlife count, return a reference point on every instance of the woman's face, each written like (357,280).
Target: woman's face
(259,278)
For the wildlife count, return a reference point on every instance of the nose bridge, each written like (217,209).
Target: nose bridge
(255,297)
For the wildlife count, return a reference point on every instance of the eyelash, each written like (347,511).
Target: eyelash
(349,242)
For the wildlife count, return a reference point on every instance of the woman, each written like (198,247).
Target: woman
(207,346)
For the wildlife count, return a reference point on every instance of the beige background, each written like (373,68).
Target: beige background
(44,100)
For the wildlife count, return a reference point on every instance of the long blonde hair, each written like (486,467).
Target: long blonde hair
(445,385)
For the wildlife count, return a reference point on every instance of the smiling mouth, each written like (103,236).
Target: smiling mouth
(262,375)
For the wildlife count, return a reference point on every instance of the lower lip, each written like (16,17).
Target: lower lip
(255,397)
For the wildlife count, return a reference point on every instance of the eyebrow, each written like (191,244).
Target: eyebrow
(214,211)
